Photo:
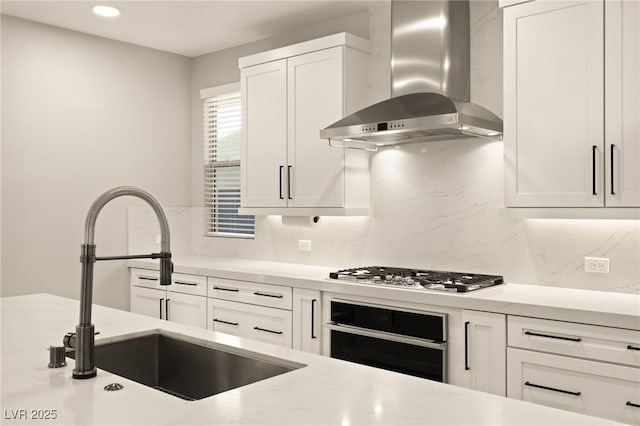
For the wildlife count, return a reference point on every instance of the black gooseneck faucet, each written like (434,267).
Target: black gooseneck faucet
(84,341)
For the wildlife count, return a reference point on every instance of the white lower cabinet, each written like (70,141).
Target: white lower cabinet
(147,301)
(262,323)
(306,320)
(485,351)
(183,301)
(584,368)
(595,388)
(186,309)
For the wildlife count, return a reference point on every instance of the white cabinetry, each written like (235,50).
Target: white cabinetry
(485,351)
(288,95)
(577,367)
(560,151)
(249,309)
(622,103)
(183,301)
(307,325)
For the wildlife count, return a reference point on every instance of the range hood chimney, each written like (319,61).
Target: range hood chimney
(430,83)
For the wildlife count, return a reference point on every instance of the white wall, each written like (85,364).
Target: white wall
(437,205)
(82,114)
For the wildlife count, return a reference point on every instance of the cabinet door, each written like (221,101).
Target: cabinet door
(306,320)
(256,322)
(145,278)
(622,100)
(588,387)
(315,100)
(147,301)
(553,104)
(186,309)
(264,134)
(485,351)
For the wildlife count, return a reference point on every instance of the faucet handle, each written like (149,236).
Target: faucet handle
(69,339)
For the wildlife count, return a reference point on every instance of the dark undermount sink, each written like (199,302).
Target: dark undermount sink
(187,369)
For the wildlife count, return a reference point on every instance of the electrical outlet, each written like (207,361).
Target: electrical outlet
(596,264)
(304,245)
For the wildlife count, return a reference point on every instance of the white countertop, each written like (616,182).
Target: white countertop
(565,304)
(325,392)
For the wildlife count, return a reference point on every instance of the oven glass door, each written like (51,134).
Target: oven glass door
(420,361)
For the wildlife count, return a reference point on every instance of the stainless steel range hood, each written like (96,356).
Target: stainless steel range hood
(430,83)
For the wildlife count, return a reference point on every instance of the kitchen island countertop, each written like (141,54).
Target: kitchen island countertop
(325,392)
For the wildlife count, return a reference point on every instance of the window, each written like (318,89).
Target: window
(221,132)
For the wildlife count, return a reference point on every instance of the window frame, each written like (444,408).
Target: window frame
(211,206)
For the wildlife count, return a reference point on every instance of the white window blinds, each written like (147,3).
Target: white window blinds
(221,124)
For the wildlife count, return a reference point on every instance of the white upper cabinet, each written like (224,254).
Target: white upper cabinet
(622,103)
(264,112)
(288,95)
(565,105)
(553,85)
(315,175)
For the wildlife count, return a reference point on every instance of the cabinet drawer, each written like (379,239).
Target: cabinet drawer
(189,284)
(589,387)
(578,340)
(274,296)
(256,322)
(145,278)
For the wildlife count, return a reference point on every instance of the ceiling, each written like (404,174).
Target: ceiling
(189,28)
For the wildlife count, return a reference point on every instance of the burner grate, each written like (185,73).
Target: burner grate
(417,278)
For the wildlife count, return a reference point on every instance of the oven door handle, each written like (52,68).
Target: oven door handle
(383,335)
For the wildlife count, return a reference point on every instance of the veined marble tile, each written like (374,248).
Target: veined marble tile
(143,229)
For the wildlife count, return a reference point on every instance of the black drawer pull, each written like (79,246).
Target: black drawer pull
(313,315)
(613,153)
(226,289)
(594,148)
(276,296)
(147,278)
(632,404)
(466,346)
(552,389)
(185,283)
(225,322)
(573,339)
(633,348)
(268,331)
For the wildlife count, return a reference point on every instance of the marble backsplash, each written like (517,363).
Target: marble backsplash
(435,205)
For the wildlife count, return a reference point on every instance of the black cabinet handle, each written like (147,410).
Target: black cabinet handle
(235,290)
(313,314)
(573,339)
(185,283)
(147,278)
(289,182)
(552,389)
(225,322)
(166,309)
(161,300)
(275,296)
(613,151)
(280,181)
(268,331)
(593,169)
(466,346)
(632,404)
(633,348)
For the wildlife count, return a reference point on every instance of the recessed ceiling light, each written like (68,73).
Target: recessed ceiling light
(106,11)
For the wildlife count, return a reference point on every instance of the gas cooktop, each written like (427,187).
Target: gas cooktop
(417,278)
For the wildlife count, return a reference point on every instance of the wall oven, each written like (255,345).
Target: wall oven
(403,340)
